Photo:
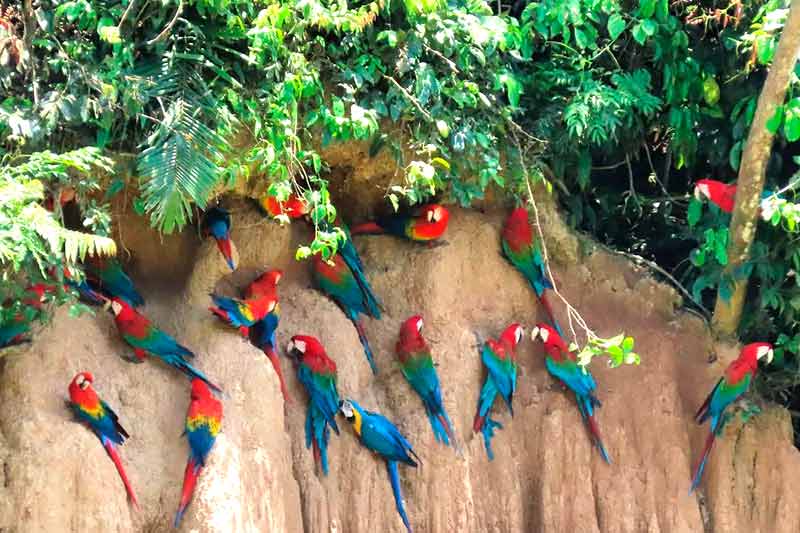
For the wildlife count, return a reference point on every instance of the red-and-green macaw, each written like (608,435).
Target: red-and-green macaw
(292,207)
(109,278)
(243,314)
(265,284)
(731,386)
(500,359)
(337,281)
(379,435)
(416,363)
(102,420)
(13,332)
(424,224)
(723,195)
(203,424)
(317,372)
(563,365)
(145,338)
(524,252)
(217,223)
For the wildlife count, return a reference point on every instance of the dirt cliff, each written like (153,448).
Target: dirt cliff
(56,477)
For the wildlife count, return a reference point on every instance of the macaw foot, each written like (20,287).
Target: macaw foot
(487,430)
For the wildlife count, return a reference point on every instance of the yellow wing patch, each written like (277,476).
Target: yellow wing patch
(245,311)
(194,423)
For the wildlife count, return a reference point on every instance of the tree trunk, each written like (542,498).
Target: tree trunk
(752,171)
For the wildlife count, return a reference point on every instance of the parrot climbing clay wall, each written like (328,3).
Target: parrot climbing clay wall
(546,475)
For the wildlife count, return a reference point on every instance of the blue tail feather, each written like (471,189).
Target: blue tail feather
(487,430)
(394,478)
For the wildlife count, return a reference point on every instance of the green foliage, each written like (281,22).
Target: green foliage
(618,349)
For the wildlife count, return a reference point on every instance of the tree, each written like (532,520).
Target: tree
(752,172)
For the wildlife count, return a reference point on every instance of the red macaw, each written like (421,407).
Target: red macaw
(563,365)
(525,252)
(721,194)
(203,424)
(293,207)
(426,223)
(731,386)
(145,338)
(500,359)
(243,314)
(102,420)
(265,284)
(217,223)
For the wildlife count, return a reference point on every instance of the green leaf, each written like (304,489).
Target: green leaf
(649,27)
(694,212)
(735,155)
(584,168)
(791,128)
(627,344)
(721,247)
(616,25)
(775,120)
(766,45)
(647,8)
(639,34)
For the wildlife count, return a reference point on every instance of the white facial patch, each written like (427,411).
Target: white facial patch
(770,355)
(300,346)
(544,334)
(518,334)
(535,333)
(419,325)
(79,380)
(430,216)
(761,351)
(116,307)
(437,214)
(347,409)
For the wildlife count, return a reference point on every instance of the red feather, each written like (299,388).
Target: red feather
(112,453)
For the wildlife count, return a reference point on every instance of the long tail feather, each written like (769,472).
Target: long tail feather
(448,427)
(549,310)
(273,358)
(488,433)
(698,472)
(189,481)
(485,401)
(192,372)
(362,336)
(394,478)
(111,450)
(367,228)
(224,245)
(591,422)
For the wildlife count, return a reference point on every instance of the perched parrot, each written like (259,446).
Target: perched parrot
(203,423)
(86,292)
(13,333)
(427,223)
(110,279)
(562,364)
(732,385)
(524,252)
(262,336)
(217,223)
(718,193)
(337,281)
(243,314)
(500,360)
(379,435)
(417,366)
(65,196)
(145,338)
(265,284)
(317,372)
(293,207)
(102,420)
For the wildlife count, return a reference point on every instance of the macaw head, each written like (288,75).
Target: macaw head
(121,308)
(308,349)
(199,389)
(512,335)
(546,333)
(353,413)
(702,189)
(758,350)
(80,388)
(435,214)
(411,329)
(213,218)
(265,283)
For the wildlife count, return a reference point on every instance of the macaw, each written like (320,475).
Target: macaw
(524,252)
(102,420)
(293,207)
(427,223)
(65,196)
(379,435)
(13,332)
(417,366)
(338,281)
(317,372)
(718,193)
(243,314)
(262,336)
(145,338)
(563,365)
(108,276)
(265,284)
(217,223)
(203,424)
(353,261)
(732,385)
(86,292)
(500,359)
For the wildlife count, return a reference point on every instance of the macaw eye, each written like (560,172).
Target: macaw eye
(535,333)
